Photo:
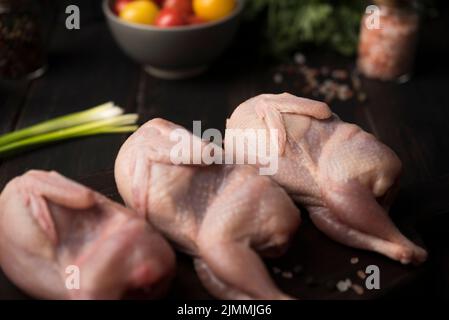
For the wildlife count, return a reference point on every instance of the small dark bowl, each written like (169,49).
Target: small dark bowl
(177,52)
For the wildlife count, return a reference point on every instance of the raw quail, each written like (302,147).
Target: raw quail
(52,228)
(225,216)
(342,175)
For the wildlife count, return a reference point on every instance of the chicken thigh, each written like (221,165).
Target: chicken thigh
(343,176)
(53,230)
(223,215)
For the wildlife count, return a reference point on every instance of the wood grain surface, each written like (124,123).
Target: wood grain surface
(86,68)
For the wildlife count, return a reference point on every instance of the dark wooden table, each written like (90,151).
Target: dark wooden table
(86,68)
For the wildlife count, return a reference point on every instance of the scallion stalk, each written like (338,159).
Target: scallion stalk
(101,112)
(109,130)
(120,124)
(104,119)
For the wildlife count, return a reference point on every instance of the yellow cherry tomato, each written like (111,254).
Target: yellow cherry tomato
(213,9)
(140,11)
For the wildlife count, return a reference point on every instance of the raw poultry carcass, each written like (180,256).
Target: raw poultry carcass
(60,240)
(344,176)
(223,215)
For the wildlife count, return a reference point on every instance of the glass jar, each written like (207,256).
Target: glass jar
(21,39)
(387,48)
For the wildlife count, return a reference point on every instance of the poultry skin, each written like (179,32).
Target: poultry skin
(225,216)
(50,224)
(342,175)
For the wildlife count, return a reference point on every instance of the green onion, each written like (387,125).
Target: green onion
(104,111)
(104,119)
(108,130)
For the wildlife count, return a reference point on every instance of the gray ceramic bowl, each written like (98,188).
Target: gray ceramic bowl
(177,52)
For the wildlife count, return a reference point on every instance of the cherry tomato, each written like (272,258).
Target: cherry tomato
(120,4)
(140,11)
(195,20)
(170,17)
(183,6)
(213,9)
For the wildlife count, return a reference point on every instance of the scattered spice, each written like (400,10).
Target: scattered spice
(357,289)
(404,78)
(344,285)
(323,83)
(300,58)
(344,93)
(361,274)
(340,74)
(356,83)
(278,78)
(354,260)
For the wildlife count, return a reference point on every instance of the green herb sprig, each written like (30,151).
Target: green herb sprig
(288,24)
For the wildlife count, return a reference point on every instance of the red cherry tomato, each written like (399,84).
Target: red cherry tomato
(183,6)
(160,3)
(195,20)
(120,4)
(170,17)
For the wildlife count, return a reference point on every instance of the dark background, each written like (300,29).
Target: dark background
(86,68)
